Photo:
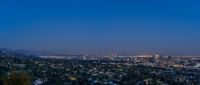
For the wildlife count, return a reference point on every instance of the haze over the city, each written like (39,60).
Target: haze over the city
(101,26)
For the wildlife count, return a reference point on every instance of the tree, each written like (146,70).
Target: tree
(17,79)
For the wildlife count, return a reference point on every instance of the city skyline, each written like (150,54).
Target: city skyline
(97,27)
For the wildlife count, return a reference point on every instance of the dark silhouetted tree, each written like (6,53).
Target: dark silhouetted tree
(17,79)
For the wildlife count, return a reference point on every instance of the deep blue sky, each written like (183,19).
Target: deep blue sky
(101,26)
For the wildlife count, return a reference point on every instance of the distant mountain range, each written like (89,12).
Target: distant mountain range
(25,52)
(28,52)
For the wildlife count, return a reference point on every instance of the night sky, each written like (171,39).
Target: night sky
(101,26)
